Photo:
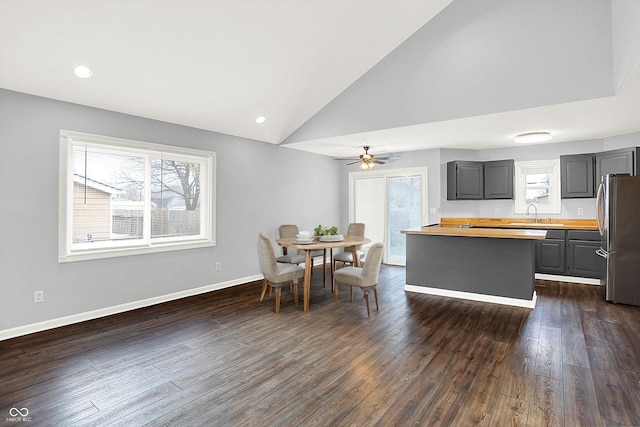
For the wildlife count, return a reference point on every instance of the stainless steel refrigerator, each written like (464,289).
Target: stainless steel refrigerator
(618,217)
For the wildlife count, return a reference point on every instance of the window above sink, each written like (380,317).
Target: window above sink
(538,183)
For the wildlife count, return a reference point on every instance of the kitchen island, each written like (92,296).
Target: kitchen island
(483,264)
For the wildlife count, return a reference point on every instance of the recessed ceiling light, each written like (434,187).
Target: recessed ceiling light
(532,137)
(82,71)
(261,119)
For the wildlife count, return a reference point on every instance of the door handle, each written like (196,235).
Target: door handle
(602,253)
(600,209)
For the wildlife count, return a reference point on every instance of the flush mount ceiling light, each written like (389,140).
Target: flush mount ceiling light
(532,137)
(82,71)
(261,119)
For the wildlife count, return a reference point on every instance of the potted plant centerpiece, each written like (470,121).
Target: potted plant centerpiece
(327,234)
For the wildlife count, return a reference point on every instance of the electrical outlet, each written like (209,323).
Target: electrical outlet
(580,211)
(497,211)
(38,297)
(432,211)
(217,266)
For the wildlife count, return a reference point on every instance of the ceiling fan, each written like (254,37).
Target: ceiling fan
(366,160)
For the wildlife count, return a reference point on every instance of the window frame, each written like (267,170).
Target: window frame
(521,168)
(70,252)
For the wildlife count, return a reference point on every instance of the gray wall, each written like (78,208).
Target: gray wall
(622,141)
(259,186)
(436,161)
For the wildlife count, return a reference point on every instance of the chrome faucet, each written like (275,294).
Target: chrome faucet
(535,208)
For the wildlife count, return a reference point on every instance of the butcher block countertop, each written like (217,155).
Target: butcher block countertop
(500,233)
(560,223)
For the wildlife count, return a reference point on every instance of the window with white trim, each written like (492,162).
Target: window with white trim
(122,197)
(538,183)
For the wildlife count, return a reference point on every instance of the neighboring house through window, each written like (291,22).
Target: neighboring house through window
(122,197)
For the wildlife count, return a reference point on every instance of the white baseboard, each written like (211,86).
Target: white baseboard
(108,311)
(583,280)
(473,296)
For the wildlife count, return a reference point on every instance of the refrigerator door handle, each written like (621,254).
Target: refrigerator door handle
(600,206)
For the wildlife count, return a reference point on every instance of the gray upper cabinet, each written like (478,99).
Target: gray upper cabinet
(468,180)
(617,161)
(498,179)
(465,180)
(577,176)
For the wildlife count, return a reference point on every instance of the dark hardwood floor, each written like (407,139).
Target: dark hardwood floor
(224,358)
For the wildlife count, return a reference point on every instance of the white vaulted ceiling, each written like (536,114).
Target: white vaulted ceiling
(333,75)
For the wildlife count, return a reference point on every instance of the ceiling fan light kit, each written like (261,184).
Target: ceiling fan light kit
(366,166)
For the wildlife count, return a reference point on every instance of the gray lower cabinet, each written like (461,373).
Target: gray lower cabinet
(570,253)
(582,260)
(624,160)
(550,253)
(577,176)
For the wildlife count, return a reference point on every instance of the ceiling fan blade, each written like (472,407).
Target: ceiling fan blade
(368,158)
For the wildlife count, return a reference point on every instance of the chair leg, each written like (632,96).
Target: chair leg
(331,267)
(335,294)
(264,289)
(351,294)
(324,267)
(375,294)
(278,292)
(295,293)
(334,267)
(366,301)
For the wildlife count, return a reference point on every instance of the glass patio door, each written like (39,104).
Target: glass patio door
(388,202)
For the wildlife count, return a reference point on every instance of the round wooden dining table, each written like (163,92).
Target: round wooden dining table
(348,241)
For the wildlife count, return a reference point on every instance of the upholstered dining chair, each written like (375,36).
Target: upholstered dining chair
(365,278)
(346,256)
(286,231)
(291,230)
(277,275)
